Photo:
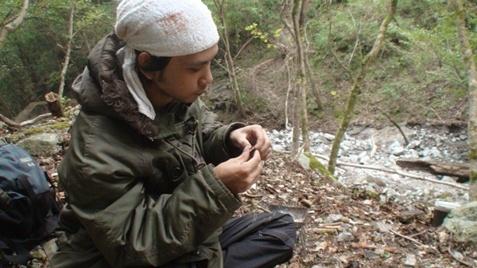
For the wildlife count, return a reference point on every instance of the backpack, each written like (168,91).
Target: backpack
(29,210)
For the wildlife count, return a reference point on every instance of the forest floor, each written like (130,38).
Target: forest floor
(349,227)
(343,227)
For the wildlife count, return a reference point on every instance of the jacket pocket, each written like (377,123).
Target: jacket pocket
(167,173)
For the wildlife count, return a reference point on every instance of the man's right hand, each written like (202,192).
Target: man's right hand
(241,172)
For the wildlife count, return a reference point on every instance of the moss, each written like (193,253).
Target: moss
(317,166)
(473,177)
(473,154)
(62,125)
(59,125)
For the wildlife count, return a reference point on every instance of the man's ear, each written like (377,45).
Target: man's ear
(143,59)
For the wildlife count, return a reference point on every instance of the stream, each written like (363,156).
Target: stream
(382,147)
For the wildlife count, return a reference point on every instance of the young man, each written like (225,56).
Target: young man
(151,178)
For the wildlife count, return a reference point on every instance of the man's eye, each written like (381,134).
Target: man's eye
(194,70)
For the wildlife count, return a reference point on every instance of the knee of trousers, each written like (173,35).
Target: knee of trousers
(286,225)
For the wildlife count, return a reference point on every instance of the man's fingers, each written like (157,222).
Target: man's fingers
(254,160)
(263,144)
(245,155)
(255,174)
(244,143)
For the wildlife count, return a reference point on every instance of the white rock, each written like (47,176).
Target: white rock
(41,144)
(345,237)
(334,218)
(396,148)
(328,136)
(411,260)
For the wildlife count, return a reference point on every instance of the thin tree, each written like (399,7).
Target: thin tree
(229,61)
(11,24)
(357,84)
(469,62)
(301,114)
(69,45)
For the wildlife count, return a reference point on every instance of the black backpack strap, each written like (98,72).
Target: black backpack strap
(22,255)
(4,199)
(56,202)
(25,183)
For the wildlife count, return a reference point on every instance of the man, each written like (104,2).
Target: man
(151,178)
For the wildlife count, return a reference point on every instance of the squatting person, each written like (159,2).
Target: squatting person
(151,178)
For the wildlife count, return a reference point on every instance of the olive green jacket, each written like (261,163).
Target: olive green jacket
(140,192)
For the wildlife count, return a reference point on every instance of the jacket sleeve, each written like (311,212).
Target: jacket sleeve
(128,226)
(215,136)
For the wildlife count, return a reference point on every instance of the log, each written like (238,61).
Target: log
(54,104)
(15,125)
(9,121)
(459,170)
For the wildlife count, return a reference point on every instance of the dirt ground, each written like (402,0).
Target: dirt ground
(349,228)
(342,227)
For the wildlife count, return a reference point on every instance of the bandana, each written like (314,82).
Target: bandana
(163,28)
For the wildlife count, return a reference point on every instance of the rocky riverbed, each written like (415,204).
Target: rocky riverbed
(382,147)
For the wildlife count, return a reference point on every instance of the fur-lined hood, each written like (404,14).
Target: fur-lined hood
(101,88)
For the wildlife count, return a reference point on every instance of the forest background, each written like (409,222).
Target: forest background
(286,64)
(419,74)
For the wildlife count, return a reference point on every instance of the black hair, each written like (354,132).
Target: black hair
(155,63)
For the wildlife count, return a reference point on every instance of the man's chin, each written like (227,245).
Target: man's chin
(189,101)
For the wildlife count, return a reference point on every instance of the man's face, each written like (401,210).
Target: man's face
(184,79)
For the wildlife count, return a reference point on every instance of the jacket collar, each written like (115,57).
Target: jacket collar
(101,89)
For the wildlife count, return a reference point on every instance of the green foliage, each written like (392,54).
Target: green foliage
(421,60)
(242,13)
(253,103)
(32,56)
(419,71)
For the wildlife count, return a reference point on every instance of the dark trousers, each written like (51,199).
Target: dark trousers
(258,240)
(255,241)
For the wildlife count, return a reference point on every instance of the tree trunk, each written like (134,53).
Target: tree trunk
(472,73)
(356,88)
(296,122)
(313,85)
(54,104)
(220,5)
(68,50)
(14,22)
(301,83)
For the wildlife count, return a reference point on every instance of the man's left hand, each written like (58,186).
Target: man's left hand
(254,136)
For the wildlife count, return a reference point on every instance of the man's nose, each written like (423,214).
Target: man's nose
(207,79)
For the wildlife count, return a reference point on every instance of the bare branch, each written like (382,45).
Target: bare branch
(13,24)
(68,50)
(16,125)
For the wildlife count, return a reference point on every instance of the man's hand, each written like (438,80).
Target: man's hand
(253,136)
(241,172)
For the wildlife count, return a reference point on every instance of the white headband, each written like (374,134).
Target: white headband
(163,28)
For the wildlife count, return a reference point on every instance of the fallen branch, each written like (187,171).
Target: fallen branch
(397,172)
(412,240)
(406,141)
(459,258)
(252,195)
(460,170)
(34,120)
(16,125)
(9,122)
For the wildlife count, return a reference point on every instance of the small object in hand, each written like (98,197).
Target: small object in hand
(252,152)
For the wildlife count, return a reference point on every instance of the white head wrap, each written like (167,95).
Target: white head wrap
(163,28)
